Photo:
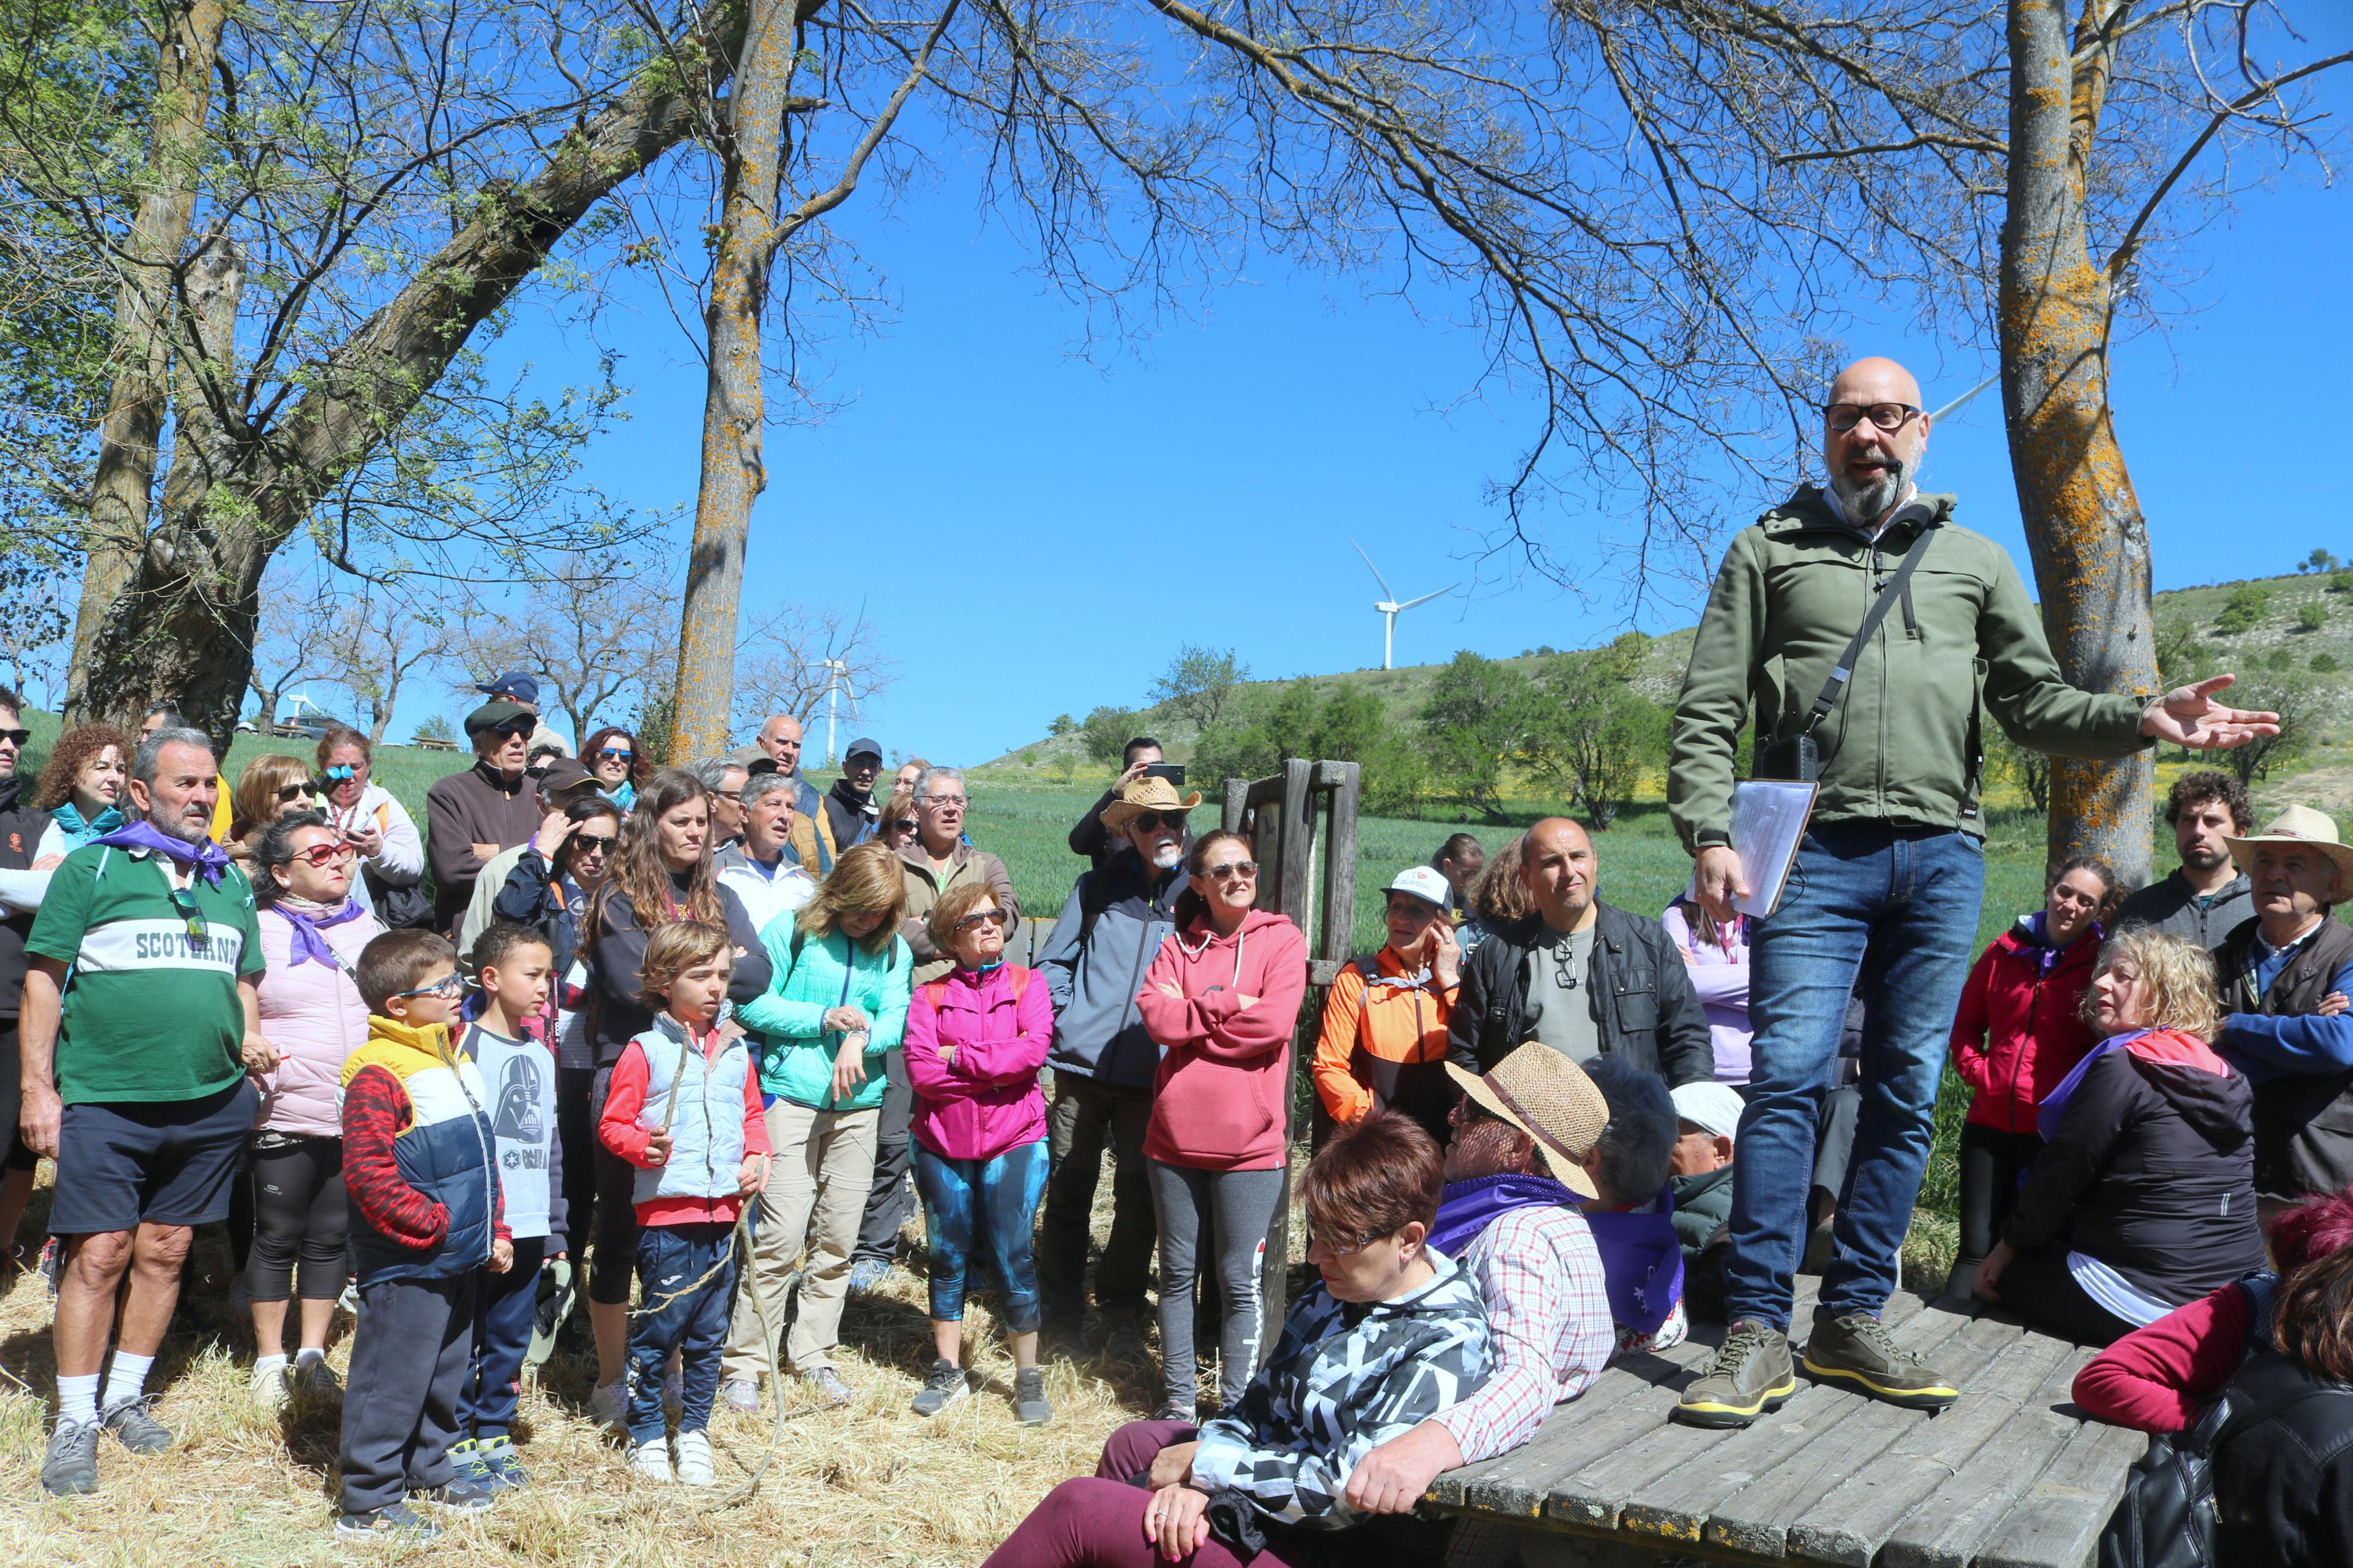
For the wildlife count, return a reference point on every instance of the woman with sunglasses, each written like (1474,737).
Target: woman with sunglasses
(392,852)
(613,755)
(976,1040)
(1221,1001)
(272,786)
(313,930)
(80,787)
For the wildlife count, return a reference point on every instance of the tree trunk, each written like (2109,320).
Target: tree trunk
(2084,525)
(125,476)
(734,404)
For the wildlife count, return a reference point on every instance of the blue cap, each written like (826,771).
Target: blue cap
(513,684)
(863,746)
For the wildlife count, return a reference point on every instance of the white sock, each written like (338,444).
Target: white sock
(263,1363)
(77,1399)
(126,1379)
(308,1354)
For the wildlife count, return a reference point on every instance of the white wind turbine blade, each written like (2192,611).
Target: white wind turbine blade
(1386,593)
(1956,406)
(1410,603)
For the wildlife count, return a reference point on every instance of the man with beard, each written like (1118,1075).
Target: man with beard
(2207,896)
(1884,898)
(1104,1061)
(135,1082)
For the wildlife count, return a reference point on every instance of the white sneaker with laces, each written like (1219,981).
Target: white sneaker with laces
(696,1467)
(272,1386)
(609,1405)
(649,1461)
(741,1394)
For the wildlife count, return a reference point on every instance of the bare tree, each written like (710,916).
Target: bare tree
(594,629)
(297,638)
(780,667)
(380,641)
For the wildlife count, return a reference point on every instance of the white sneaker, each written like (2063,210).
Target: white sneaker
(609,1405)
(272,1386)
(650,1462)
(741,1394)
(695,1465)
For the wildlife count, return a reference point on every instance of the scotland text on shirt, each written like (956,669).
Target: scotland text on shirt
(148,944)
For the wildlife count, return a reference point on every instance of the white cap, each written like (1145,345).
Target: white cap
(1424,884)
(1712,1108)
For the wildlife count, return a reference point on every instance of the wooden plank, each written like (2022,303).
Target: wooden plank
(1756,1517)
(1234,810)
(1335,932)
(1957,1518)
(1630,1398)
(1854,1519)
(2057,1522)
(1677,1503)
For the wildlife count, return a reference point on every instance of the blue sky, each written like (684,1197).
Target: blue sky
(1033,534)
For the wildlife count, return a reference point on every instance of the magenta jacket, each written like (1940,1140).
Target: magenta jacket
(984,1100)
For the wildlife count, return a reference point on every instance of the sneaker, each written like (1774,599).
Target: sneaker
(498,1458)
(466,1461)
(946,1385)
(1124,1337)
(464,1494)
(869,1274)
(317,1380)
(696,1467)
(1171,1411)
(1030,1406)
(1750,1375)
(70,1467)
(138,1431)
(741,1394)
(1856,1349)
(649,1461)
(273,1387)
(609,1405)
(831,1392)
(399,1522)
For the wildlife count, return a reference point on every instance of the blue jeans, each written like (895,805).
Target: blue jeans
(1890,912)
(670,1260)
(970,1204)
(504,1304)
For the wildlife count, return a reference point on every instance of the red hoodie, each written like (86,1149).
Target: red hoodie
(1217,1103)
(2019,1031)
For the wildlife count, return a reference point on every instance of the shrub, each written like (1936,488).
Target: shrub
(2312,617)
(2324,664)
(437,728)
(2244,610)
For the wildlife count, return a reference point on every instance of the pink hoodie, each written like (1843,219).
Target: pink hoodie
(985,1100)
(1216,1104)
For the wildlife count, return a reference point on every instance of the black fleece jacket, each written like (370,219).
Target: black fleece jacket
(20,834)
(616,953)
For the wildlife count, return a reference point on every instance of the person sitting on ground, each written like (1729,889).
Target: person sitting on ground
(1390,1335)
(374,823)
(2144,1198)
(620,765)
(272,786)
(2020,1030)
(492,806)
(760,868)
(1383,1043)
(1091,837)
(1498,896)
(1578,976)
(1220,1000)
(1516,1174)
(82,788)
(723,780)
(1717,954)
(1631,1209)
(2205,897)
(1460,860)
(976,1040)
(564,783)
(1707,1128)
(849,805)
(2160,1378)
(2284,972)
(312,931)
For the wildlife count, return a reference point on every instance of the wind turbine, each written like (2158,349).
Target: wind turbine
(1389,607)
(836,681)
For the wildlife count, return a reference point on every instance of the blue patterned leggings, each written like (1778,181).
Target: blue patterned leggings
(992,1203)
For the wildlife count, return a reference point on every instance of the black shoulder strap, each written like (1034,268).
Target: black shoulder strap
(1899,585)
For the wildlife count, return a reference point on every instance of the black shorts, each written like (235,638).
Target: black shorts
(19,1155)
(122,1165)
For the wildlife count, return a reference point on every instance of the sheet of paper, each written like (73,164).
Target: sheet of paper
(1768,819)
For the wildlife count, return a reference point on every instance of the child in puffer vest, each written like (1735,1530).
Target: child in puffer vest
(684,1107)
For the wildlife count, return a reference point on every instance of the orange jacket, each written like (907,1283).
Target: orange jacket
(1391,1051)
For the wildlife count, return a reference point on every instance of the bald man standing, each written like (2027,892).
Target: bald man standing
(1884,899)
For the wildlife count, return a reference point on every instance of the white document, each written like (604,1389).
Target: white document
(1768,819)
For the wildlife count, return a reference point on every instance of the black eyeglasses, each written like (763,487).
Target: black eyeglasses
(593,843)
(1844,416)
(1154,820)
(514,727)
(17,736)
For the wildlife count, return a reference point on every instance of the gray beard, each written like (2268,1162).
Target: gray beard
(1865,504)
(1166,857)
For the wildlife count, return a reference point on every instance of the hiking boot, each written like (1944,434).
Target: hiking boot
(397,1523)
(1857,1350)
(1750,1375)
(649,1461)
(464,1494)
(138,1431)
(696,1467)
(1030,1406)
(499,1461)
(831,1392)
(272,1386)
(946,1385)
(741,1394)
(70,1467)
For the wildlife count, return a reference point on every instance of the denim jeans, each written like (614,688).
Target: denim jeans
(672,1317)
(1892,912)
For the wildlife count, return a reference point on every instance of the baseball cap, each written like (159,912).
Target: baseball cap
(563,774)
(863,746)
(1712,1108)
(1424,884)
(513,684)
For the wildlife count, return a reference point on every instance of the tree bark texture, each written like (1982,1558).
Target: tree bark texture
(2084,525)
(734,402)
(125,474)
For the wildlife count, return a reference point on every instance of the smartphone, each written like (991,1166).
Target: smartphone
(1172,771)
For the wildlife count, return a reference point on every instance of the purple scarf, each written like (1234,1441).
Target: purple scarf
(206,859)
(1467,1209)
(2034,931)
(1642,1263)
(2055,1108)
(307,944)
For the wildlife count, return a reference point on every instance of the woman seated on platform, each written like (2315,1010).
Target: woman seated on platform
(2143,1199)
(1393,1333)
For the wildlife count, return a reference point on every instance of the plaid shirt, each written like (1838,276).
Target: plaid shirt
(1541,1278)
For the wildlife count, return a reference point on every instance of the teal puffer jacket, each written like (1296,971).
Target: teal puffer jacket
(796,1050)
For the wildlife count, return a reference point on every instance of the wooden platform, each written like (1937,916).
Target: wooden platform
(2011,1477)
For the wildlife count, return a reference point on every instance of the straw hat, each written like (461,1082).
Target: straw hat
(1547,1097)
(1144,794)
(2300,825)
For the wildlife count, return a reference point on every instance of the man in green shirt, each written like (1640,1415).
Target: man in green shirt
(140,1027)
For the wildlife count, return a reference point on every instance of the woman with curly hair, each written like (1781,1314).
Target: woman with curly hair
(620,765)
(82,787)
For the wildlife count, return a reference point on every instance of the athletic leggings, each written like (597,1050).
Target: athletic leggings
(991,1203)
(299,1212)
(1240,1205)
(1992,1161)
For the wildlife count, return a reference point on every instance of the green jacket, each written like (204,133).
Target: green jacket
(796,1051)
(1903,745)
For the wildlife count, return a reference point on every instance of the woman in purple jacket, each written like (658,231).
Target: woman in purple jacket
(1718,957)
(974,1042)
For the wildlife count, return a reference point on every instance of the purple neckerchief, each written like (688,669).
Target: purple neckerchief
(1641,1262)
(307,944)
(2055,1108)
(206,859)
(2034,930)
(1467,1209)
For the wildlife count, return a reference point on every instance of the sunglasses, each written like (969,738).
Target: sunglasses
(320,856)
(293,791)
(905,829)
(980,918)
(613,755)
(16,736)
(514,727)
(1232,870)
(450,984)
(1154,820)
(593,843)
(184,903)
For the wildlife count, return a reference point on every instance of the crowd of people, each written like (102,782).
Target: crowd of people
(704,1038)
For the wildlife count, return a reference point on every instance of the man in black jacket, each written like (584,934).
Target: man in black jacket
(20,834)
(1581,976)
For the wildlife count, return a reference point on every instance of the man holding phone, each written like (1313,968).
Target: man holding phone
(1090,837)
